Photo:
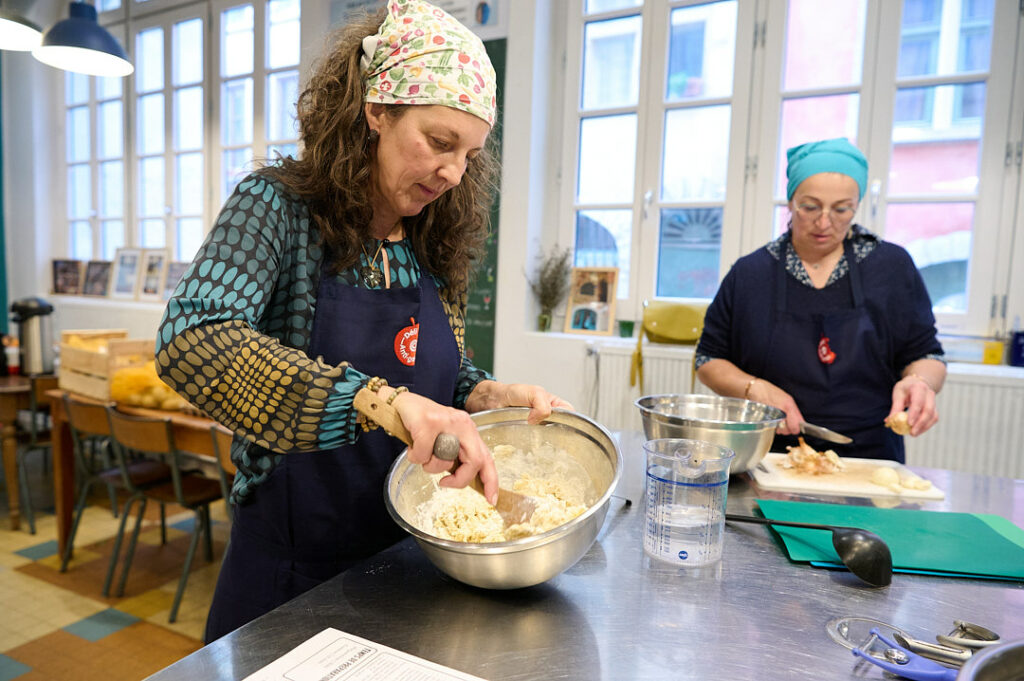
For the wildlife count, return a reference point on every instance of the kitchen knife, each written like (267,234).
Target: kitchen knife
(824,433)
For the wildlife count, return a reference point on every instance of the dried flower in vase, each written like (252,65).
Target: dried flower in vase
(550,283)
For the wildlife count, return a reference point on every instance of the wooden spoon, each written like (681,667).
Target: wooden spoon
(513,507)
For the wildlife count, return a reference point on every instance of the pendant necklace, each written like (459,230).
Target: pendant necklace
(370,272)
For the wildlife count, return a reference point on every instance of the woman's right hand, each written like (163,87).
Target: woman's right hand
(425,420)
(768,393)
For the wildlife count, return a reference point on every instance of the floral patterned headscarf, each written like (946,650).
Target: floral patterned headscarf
(421,55)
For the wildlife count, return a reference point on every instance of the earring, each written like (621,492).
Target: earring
(372,137)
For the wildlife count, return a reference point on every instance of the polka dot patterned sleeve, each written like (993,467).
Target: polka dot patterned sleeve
(235,333)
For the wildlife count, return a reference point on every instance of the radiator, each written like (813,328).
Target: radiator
(981,408)
(667,369)
(981,423)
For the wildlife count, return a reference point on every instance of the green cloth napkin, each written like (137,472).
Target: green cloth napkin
(969,544)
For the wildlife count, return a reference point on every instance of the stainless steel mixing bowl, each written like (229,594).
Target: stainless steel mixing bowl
(743,426)
(530,560)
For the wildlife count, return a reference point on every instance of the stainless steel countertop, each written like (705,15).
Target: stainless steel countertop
(618,615)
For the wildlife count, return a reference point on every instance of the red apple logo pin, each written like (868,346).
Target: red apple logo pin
(405,343)
(825,354)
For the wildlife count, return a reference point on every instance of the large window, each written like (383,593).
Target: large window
(632,95)
(173,139)
(682,111)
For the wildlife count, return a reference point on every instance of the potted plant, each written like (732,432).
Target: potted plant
(550,283)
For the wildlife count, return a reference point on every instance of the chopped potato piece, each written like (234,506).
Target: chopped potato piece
(806,459)
(898,424)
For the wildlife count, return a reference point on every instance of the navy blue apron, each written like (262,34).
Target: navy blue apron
(853,394)
(320,512)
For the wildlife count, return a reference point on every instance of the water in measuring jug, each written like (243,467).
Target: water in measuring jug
(686,486)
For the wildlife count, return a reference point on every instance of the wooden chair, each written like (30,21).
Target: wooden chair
(90,437)
(38,433)
(153,437)
(222,438)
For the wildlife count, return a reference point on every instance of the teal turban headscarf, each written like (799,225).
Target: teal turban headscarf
(828,156)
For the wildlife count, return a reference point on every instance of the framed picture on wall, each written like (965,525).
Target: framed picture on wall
(153,273)
(97,278)
(67,276)
(175,271)
(591,306)
(124,279)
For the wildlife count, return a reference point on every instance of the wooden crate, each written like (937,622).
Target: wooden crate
(88,372)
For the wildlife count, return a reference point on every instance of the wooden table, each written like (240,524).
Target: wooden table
(191,434)
(14,396)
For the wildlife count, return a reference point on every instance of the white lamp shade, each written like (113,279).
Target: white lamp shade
(82,60)
(18,33)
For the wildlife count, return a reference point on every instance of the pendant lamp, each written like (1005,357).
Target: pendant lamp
(17,32)
(81,45)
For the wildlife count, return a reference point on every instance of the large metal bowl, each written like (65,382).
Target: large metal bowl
(529,560)
(743,426)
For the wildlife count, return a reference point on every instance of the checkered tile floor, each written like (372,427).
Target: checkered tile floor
(58,626)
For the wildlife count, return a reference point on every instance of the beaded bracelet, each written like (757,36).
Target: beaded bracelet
(398,391)
(366,424)
(376,383)
(920,378)
(750,384)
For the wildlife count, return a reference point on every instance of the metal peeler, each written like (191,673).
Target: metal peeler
(909,657)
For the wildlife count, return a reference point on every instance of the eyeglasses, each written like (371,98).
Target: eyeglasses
(813,212)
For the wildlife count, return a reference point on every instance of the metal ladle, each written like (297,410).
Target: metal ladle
(862,552)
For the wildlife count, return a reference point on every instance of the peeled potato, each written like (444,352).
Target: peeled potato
(914,482)
(886,477)
(898,424)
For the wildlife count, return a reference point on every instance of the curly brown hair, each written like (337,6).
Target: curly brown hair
(332,174)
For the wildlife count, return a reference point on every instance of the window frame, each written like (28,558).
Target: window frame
(647,203)
(126,22)
(754,141)
(167,20)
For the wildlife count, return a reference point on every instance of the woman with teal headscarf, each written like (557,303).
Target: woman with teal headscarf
(828,322)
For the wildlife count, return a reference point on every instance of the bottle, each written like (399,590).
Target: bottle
(13,356)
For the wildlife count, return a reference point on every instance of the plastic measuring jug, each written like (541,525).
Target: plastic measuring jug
(686,486)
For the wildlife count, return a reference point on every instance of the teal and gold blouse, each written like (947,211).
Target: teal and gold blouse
(234,336)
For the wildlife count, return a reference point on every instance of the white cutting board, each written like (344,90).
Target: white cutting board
(855,481)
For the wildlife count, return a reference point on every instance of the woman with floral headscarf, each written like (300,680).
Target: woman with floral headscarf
(828,322)
(342,269)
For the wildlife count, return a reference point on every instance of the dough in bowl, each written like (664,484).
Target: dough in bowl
(551,477)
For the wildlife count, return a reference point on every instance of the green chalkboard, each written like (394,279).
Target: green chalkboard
(483,289)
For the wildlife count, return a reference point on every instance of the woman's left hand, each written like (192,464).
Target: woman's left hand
(495,395)
(913,394)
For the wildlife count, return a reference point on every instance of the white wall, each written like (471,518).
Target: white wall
(529,192)
(139,319)
(32,142)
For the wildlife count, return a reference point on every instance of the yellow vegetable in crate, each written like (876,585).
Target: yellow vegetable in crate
(90,344)
(141,387)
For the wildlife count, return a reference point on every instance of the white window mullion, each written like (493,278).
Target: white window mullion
(651,124)
(757,228)
(1008,288)
(259,80)
(876,128)
(745,108)
(573,60)
(169,146)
